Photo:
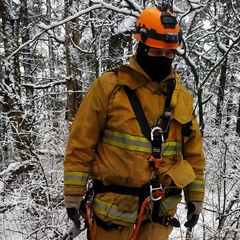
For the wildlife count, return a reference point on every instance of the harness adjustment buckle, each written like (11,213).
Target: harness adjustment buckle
(156,190)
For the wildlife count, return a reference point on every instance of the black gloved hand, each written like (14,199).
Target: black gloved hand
(194,209)
(74,216)
(72,204)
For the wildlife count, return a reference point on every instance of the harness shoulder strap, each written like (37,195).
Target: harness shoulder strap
(168,108)
(137,108)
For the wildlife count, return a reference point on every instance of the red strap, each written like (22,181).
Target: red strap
(154,164)
(89,218)
(138,224)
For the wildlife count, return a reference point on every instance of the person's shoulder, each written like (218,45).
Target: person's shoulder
(106,83)
(184,91)
(183,110)
(110,77)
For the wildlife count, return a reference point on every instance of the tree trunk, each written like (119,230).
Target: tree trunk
(11,82)
(74,88)
(27,69)
(221,91)
(238,119)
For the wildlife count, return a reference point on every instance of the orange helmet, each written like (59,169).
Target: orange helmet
(158,29)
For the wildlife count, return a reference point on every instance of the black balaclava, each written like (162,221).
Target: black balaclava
(157,68)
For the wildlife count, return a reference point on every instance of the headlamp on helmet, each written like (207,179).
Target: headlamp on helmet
(172,38)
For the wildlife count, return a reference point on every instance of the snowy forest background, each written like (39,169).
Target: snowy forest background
(50,53)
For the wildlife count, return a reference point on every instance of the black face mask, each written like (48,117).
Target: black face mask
(157,68)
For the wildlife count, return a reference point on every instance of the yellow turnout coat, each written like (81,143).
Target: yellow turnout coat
(106,143)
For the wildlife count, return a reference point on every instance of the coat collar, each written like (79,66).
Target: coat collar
(133,76)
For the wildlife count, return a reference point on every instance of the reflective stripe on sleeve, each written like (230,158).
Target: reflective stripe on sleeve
(169,203)
(75,178)
(112,211)
(139,144)
(196,186)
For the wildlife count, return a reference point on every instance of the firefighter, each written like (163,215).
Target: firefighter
(128,164)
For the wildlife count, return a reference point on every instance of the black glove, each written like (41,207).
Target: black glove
(72,203)
(194,209)
(74,216)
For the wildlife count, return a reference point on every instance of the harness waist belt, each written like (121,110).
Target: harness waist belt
(134,191)
(143,191)
(172,192)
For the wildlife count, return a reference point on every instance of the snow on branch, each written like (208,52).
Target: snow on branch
(44,86)
(47,27)
(120,10)
(68,19)
(98,4)
(195,4)
(134,4)
(227,50)
(13,171)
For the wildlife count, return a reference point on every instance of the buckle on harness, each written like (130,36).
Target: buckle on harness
(156,190)
(89,193)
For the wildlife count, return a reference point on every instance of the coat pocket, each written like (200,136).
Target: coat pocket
(115,208)
(181,173)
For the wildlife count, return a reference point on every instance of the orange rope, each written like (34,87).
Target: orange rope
(90,225)
(138,224)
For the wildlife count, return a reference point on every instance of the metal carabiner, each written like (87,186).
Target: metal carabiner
(159,130)
(89,185)
(89,193)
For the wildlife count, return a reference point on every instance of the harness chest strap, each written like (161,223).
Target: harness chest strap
(157,136)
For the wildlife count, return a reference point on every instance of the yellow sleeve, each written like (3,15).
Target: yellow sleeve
(84,135)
